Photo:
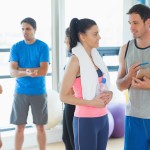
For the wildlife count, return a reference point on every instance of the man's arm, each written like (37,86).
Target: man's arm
(15,72)
(40,71)
(1,89)
(124,79)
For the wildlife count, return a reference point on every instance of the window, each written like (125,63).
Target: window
(10,31)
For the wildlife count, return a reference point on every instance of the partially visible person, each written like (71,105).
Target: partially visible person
(83,74)
(1,90)
(131,57)
(67,41)
(29,60)
(68,113)
(1,143)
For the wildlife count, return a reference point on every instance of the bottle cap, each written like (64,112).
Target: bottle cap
(104,80)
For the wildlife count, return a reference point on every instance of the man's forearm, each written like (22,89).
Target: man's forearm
(124,83)
(18,73)
(40,71)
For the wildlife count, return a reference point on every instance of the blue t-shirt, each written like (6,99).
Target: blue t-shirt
(30,56)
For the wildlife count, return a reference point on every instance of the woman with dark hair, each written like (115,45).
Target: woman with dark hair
(68,114)
(83,74)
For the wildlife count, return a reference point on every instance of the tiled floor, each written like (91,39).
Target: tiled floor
(113,144)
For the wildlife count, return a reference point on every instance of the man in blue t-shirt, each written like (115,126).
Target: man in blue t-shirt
(29,60)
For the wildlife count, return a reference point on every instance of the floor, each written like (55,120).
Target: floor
(113,144)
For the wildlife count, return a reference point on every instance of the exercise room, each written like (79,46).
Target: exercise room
(74,74)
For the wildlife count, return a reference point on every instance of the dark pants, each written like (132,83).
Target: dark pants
(68,137)
(91,133)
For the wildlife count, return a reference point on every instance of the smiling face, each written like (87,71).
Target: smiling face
(91,38)
(138,27)
(28,32)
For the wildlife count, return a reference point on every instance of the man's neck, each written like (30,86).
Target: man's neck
(143,41)
(31,41)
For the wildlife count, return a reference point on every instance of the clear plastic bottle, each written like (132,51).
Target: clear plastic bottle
(103,86)
(97,90)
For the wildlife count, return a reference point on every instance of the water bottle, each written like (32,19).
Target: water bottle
(97,90)
(103,86)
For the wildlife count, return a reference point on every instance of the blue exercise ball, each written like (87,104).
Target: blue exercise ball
(118,112)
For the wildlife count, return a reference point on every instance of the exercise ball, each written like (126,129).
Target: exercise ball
(55,111)
(118,112)
(111,124)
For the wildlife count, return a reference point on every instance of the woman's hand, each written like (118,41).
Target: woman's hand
(102,100)
(106,96)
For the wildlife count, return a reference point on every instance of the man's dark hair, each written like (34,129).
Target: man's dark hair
(30,21)
(142,10)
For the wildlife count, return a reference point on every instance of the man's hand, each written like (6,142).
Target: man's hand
(132,72)
(141,84)
(31,73)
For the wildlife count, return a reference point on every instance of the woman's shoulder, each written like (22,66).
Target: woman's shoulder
(74,60)
(73,64)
